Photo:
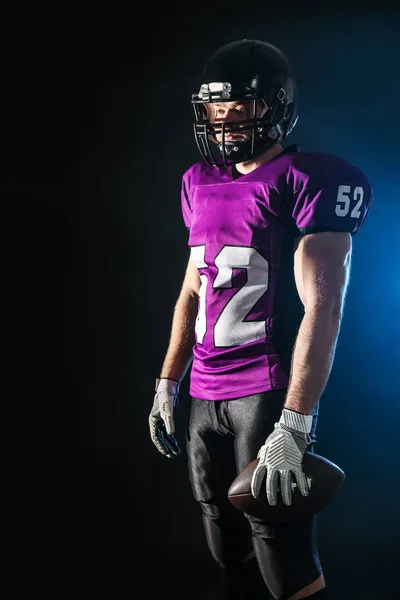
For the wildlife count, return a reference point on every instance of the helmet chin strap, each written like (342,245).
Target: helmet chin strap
(229,147)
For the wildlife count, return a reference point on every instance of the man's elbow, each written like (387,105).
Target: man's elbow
(331,309)
(188,296)
(327,299)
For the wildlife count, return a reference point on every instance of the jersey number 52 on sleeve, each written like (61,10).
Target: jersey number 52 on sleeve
(343,201)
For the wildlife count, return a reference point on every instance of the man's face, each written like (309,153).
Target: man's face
(225,112)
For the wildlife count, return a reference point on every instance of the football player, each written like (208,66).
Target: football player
(259,313)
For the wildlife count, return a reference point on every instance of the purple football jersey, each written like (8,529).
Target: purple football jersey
(241,237)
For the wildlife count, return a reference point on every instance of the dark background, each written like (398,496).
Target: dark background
(97,137)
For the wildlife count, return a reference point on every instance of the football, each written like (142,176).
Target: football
(325,479)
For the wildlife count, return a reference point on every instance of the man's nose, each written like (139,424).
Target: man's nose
(231,116)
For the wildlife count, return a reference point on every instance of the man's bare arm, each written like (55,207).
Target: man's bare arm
(322,268)
(180,349)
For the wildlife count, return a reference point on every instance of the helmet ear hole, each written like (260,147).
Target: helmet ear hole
(274,133)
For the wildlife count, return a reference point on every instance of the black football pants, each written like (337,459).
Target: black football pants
(223,437)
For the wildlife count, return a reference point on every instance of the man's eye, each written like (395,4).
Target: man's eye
(237,110)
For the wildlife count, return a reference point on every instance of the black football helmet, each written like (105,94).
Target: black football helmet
(246,69)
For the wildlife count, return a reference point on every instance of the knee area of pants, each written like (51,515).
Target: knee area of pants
(259,529)
(210,510)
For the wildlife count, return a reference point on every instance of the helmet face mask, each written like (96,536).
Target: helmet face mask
(257,133)
(260,76)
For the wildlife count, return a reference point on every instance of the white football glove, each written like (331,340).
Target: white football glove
(281,458)
(161,419)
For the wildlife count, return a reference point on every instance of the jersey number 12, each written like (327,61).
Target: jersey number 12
(230,327)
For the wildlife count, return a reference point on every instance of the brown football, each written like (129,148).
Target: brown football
(326,480)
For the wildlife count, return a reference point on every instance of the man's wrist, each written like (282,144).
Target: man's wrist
(295,420)
(168,384)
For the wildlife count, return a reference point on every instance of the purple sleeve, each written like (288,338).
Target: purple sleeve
(342,204)
(186,208)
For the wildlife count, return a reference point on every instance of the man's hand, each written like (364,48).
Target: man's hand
(161,419)
(281,457)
